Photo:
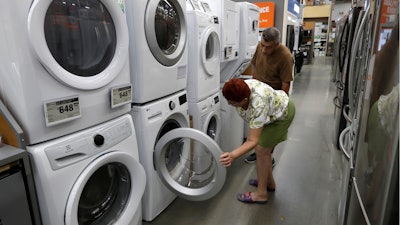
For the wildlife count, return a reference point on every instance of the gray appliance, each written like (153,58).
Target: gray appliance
(371,141)
(18,200)
(341,100)
(15,205)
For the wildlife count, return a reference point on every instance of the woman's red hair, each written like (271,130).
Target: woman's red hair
(235,90)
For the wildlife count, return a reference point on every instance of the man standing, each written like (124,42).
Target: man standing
(272,64)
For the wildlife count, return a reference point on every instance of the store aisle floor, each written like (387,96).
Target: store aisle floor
(306,173)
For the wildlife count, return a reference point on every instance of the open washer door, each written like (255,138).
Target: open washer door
(187,161)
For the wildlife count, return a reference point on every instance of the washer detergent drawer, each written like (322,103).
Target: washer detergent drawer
(14,206)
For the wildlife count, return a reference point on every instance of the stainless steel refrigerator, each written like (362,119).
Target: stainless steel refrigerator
(341,77)
(370,142)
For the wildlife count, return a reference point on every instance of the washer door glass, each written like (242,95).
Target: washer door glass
(212,127)
(210,52)
(165,28)
(187,161)
(108,191)
(104,194)
(81,36)
(84,44)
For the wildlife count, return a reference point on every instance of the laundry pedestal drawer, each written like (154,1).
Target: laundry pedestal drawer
(16,204)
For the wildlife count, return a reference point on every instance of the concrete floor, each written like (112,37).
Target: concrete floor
(306,173)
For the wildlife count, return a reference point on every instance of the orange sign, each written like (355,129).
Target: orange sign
(267,14)
(388,11)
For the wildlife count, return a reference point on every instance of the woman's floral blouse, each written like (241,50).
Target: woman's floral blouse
(265,104)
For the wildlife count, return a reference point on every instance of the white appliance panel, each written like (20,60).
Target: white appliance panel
(228,13)
(158,48)
(204,55)
(51,83)
(205,116)
(248,40)
(152,121)
(232,134)
(156,121)
(72,174)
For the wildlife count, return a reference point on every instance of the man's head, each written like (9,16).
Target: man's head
(270,40)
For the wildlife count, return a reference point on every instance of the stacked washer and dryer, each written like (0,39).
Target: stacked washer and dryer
(65,78)
(173,154)
(228,13)
(248,40)
(203,69)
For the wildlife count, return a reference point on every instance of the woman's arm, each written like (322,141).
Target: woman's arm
(251,142)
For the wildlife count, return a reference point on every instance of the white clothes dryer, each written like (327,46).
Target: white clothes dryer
(90,177)
(204,53)
(64,65)
(228,13)
(178,160)
(158,51)
(205,116)
(248,41)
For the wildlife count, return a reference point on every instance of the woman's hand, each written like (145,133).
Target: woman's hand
(226,159)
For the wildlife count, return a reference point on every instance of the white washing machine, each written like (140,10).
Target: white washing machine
(158,51)
(228,13)
(90,177)
(64,65)
(232,131)
(178,160)
(205,116)
(248,40)
(204,53)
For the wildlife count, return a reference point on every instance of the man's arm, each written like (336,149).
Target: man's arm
(286,87)
(254,72)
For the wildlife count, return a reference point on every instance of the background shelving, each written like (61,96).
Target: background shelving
(320,38)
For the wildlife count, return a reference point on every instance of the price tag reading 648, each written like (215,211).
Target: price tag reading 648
(66,108)
(61,111)
(121,95)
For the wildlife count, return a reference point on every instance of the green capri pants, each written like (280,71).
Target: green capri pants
(276,132)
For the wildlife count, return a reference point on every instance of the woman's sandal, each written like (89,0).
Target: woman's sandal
(246,198)
(254,182)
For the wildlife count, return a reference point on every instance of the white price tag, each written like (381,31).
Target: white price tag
(62,110)
(121,95)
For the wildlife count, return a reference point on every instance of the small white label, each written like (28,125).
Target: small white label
(62,110)
(228,51)
(181,72)
(121,95)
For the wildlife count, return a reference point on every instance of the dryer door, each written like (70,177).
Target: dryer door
(165,28)
(108,191)
(83,44)
(187,161)
(210,52)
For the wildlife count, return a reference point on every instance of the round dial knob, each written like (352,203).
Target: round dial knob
(98,140)
(171,105)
